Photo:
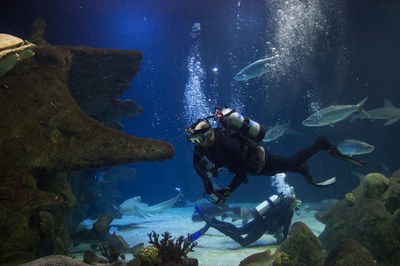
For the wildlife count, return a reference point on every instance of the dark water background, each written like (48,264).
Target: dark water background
(333,53)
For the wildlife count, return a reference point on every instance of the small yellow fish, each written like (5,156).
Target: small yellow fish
(265,258)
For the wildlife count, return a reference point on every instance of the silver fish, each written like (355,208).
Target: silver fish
(256,69)
(333,114)
(388,112)
(278,131)
(353,147)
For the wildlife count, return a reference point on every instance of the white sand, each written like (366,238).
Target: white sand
(213,248)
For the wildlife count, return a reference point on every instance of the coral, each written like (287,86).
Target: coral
(149,256)
(375,184)
(284,258)
(169,249)
(109,252)
(350,199)
(373,221)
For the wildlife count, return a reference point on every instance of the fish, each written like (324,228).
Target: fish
(278,131)
(256,69)
(120,245)
(225,211)
(334,114)
(354,147)
(95,242)
(388,112)
(265,258)
(135,207)
(126,227)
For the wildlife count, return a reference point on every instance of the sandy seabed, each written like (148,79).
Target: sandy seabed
(213,248)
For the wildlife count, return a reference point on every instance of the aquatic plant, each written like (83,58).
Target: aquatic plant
(171,249)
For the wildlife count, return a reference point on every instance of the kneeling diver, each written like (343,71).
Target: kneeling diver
(272,216)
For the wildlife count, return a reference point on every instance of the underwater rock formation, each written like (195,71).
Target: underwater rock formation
(349,252)
(44,134)
(302,246)
(373,220)
(55,260)
(106,73)
(97,78)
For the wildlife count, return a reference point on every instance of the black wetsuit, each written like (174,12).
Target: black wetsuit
(235,152)
(279,216)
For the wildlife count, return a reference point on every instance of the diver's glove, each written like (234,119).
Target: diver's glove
(223,194)
(208,186)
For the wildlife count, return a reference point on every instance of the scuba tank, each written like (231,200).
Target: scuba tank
(231,119)
(265,206)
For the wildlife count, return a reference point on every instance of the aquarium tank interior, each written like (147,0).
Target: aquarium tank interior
(103,158)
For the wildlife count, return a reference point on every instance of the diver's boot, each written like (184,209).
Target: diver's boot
(327,145)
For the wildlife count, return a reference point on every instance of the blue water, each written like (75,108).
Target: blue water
(329,54)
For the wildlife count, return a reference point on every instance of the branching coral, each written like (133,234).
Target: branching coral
(171,249)
(109,252)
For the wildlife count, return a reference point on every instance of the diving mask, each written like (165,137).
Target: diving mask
(196,133)
(197,139)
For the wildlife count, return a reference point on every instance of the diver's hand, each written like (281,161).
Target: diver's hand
(208,186)
(223,194)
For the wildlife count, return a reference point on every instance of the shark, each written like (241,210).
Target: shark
(334,114)
(388,112)
(256,69)
(135,207)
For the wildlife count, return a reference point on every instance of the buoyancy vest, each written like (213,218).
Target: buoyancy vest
(249,146)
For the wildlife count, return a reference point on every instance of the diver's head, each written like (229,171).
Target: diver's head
(200,133)
(296,203)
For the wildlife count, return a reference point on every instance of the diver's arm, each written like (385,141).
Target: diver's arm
(287,222)
(237,180)
(200,165)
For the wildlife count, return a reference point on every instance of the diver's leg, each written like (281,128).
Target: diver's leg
(275,164)
(254,230)
(227,229)
(334,151)
(278,164)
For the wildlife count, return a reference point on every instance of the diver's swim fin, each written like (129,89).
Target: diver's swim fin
(305,171)
(336,153)
(197,209)
(196,235)
(325,183)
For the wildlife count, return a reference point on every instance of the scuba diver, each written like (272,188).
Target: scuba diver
(272,216)
(235,146)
